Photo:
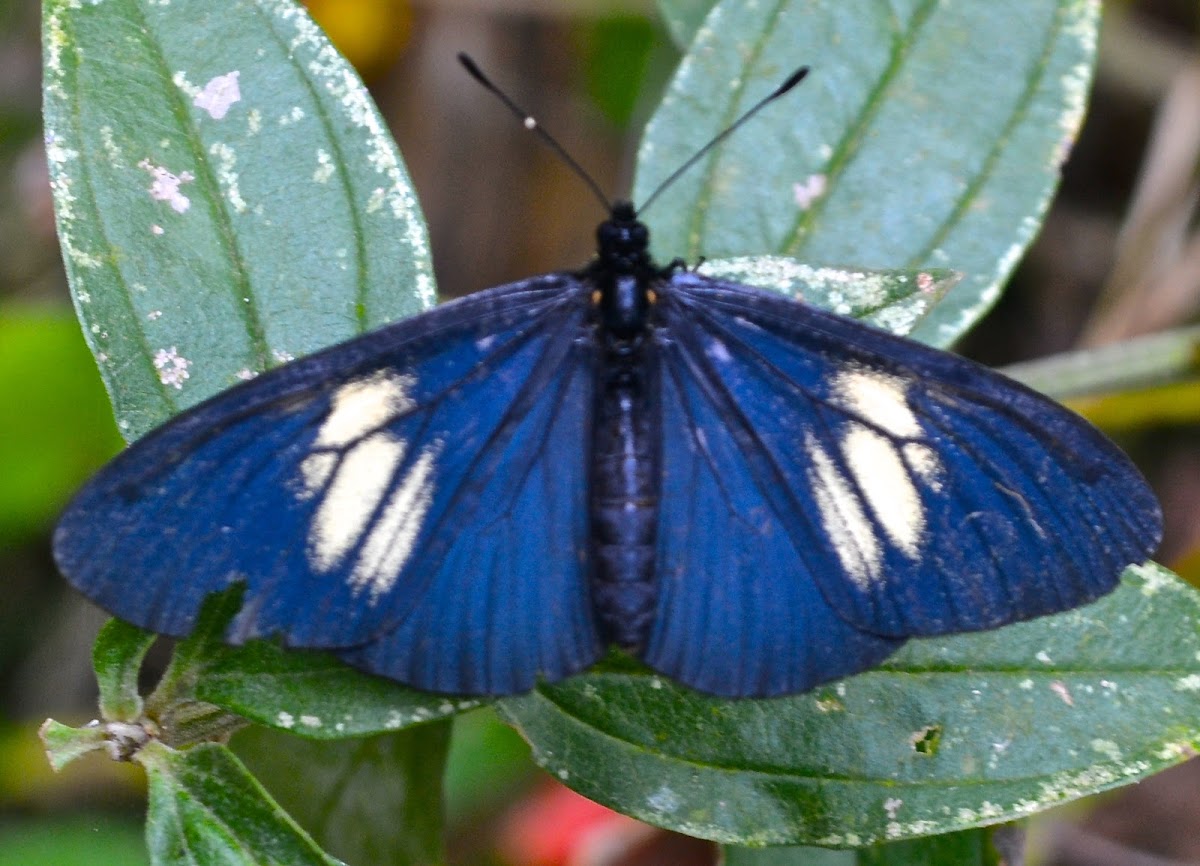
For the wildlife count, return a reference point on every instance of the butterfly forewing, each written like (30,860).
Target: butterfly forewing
(503,596)
(370,486)
(922,493)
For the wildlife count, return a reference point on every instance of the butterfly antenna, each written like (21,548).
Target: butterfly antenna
(530,123)
(791,81)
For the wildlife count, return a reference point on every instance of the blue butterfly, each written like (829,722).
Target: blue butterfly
(749,494)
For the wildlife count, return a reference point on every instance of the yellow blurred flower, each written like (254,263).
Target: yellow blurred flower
(370,33)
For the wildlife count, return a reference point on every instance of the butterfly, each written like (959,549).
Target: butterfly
(751,495)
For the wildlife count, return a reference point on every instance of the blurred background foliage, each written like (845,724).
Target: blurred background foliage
(1119,256)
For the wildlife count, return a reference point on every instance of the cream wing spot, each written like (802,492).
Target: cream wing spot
(924,461)
(877,398)
(358,487)
(316,470)
(842,517)
(887,485)
(364,405)
(390,545)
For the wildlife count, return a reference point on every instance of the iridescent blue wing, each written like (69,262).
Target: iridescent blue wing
(410,499)
(829,490)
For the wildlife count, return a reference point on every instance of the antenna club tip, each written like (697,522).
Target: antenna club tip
(792,80)
(469,64)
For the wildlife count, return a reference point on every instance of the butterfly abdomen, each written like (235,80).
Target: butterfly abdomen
(624,499)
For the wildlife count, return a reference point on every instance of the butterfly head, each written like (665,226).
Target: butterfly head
(623,242)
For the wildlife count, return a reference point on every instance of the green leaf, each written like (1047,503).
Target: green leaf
(63,431)
(927,135)
(949,734)
(618,56)
(487,764)
(117,657)
(969,848)
(1142,362)
(64,744)
(310,694)
(373,800)
(896,301)
(683,18)
(787,856)
(206,808)
(74,838)
(208,238)
(313,695)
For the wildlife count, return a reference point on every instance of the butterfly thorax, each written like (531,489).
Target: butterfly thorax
(625,479)
(623,274)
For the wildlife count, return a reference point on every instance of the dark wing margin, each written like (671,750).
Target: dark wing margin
(408,499)
(841,469)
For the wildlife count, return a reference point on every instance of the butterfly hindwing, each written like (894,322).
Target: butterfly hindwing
(367,487)
(922,493)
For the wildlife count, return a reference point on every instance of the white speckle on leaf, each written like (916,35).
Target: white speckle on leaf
(1154,579)
(172,367)
(1043,657)
(227,176)
(1060,688)
(310,721)
(285,720)
(294,116)
(165,185)
(892,806)
(156,229)
(325,167)
(154,315)
(56,41)
(180,80)
(1176,751)
(1190,683)
(808,191)
(664,801)
(1107,748)
(829,705)
(111,149)
(218,95)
